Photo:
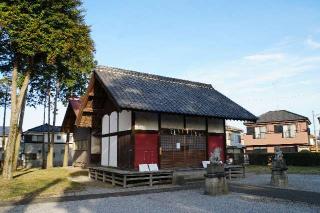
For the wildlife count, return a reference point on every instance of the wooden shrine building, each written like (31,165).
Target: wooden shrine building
(143,119)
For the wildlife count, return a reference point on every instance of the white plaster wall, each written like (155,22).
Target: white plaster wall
(113,151)
(146,121)
(215,125)
(105,124)
(124,120)
(196,123)
(171,121)
(114,122)
(63,135)
(104,151)
(95,145)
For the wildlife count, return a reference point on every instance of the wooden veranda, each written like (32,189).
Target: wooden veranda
(127,178)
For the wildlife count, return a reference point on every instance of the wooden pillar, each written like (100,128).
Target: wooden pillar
(150,179)
(132,157)
(159,142)
(207,139)
(113,179)
(225,140)
(125,181)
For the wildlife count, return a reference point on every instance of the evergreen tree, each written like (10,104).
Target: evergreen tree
(38,35)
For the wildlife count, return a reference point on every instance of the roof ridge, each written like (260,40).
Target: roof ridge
(116,70)
(295,113)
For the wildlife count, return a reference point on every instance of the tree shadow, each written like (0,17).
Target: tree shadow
(79,173)
(21,174)
(22,204)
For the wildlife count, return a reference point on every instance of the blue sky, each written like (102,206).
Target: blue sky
(265,55)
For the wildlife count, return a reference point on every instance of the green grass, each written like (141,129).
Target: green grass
(291,169)
(39,183)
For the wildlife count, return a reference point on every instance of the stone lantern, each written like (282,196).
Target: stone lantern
(279,169)
(215,181)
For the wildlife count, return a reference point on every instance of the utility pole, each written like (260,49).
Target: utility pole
(314,130)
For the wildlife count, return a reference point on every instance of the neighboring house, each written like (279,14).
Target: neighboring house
(144,118)
(282,128)
(235,144)
(33,140)
(87,147)
(6,135)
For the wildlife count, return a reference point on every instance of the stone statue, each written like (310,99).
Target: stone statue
(278,154)
(279,170)
(215,181)
(215,157)
(278,162)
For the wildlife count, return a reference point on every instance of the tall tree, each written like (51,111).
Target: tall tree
(51,146)
(35,35)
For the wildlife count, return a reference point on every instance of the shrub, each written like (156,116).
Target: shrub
(292,159)
(259,158)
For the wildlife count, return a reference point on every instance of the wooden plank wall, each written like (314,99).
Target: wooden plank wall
(190,155)
(182,159)
(125,152)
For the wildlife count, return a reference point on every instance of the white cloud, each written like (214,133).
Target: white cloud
(312,43)
(262,57)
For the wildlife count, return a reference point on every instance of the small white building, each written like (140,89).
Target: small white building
(5,141)
(35,142)
(235,144)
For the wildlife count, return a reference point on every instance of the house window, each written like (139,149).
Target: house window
(31,156)
(58,137)
(260,150)
(260,132)
(235,138)
(37,138)
(289,131)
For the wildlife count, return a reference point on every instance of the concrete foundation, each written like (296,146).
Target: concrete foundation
(216,186)
(279,178)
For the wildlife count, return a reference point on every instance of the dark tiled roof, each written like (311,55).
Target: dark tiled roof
(141,91)
(44,128)
(75,104)
(6,130)
(280,115)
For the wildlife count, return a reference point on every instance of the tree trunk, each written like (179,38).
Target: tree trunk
(66,151)
(54,118)
(50,151)
(7,171)
(18,138)
(43,142)
(16,103)
(4,124)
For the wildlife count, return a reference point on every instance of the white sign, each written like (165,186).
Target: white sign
(178,145)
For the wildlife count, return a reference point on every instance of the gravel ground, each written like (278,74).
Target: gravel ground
(295,181)
(178,201)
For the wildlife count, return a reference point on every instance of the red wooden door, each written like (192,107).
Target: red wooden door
(146,149)
(216,141)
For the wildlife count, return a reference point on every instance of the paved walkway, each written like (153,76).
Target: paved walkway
(303,182)
(287,194)
(192,201)
(271,192)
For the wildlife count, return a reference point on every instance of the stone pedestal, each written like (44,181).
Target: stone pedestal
(215,182)
(216,186)
(279,175)
(279,178)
